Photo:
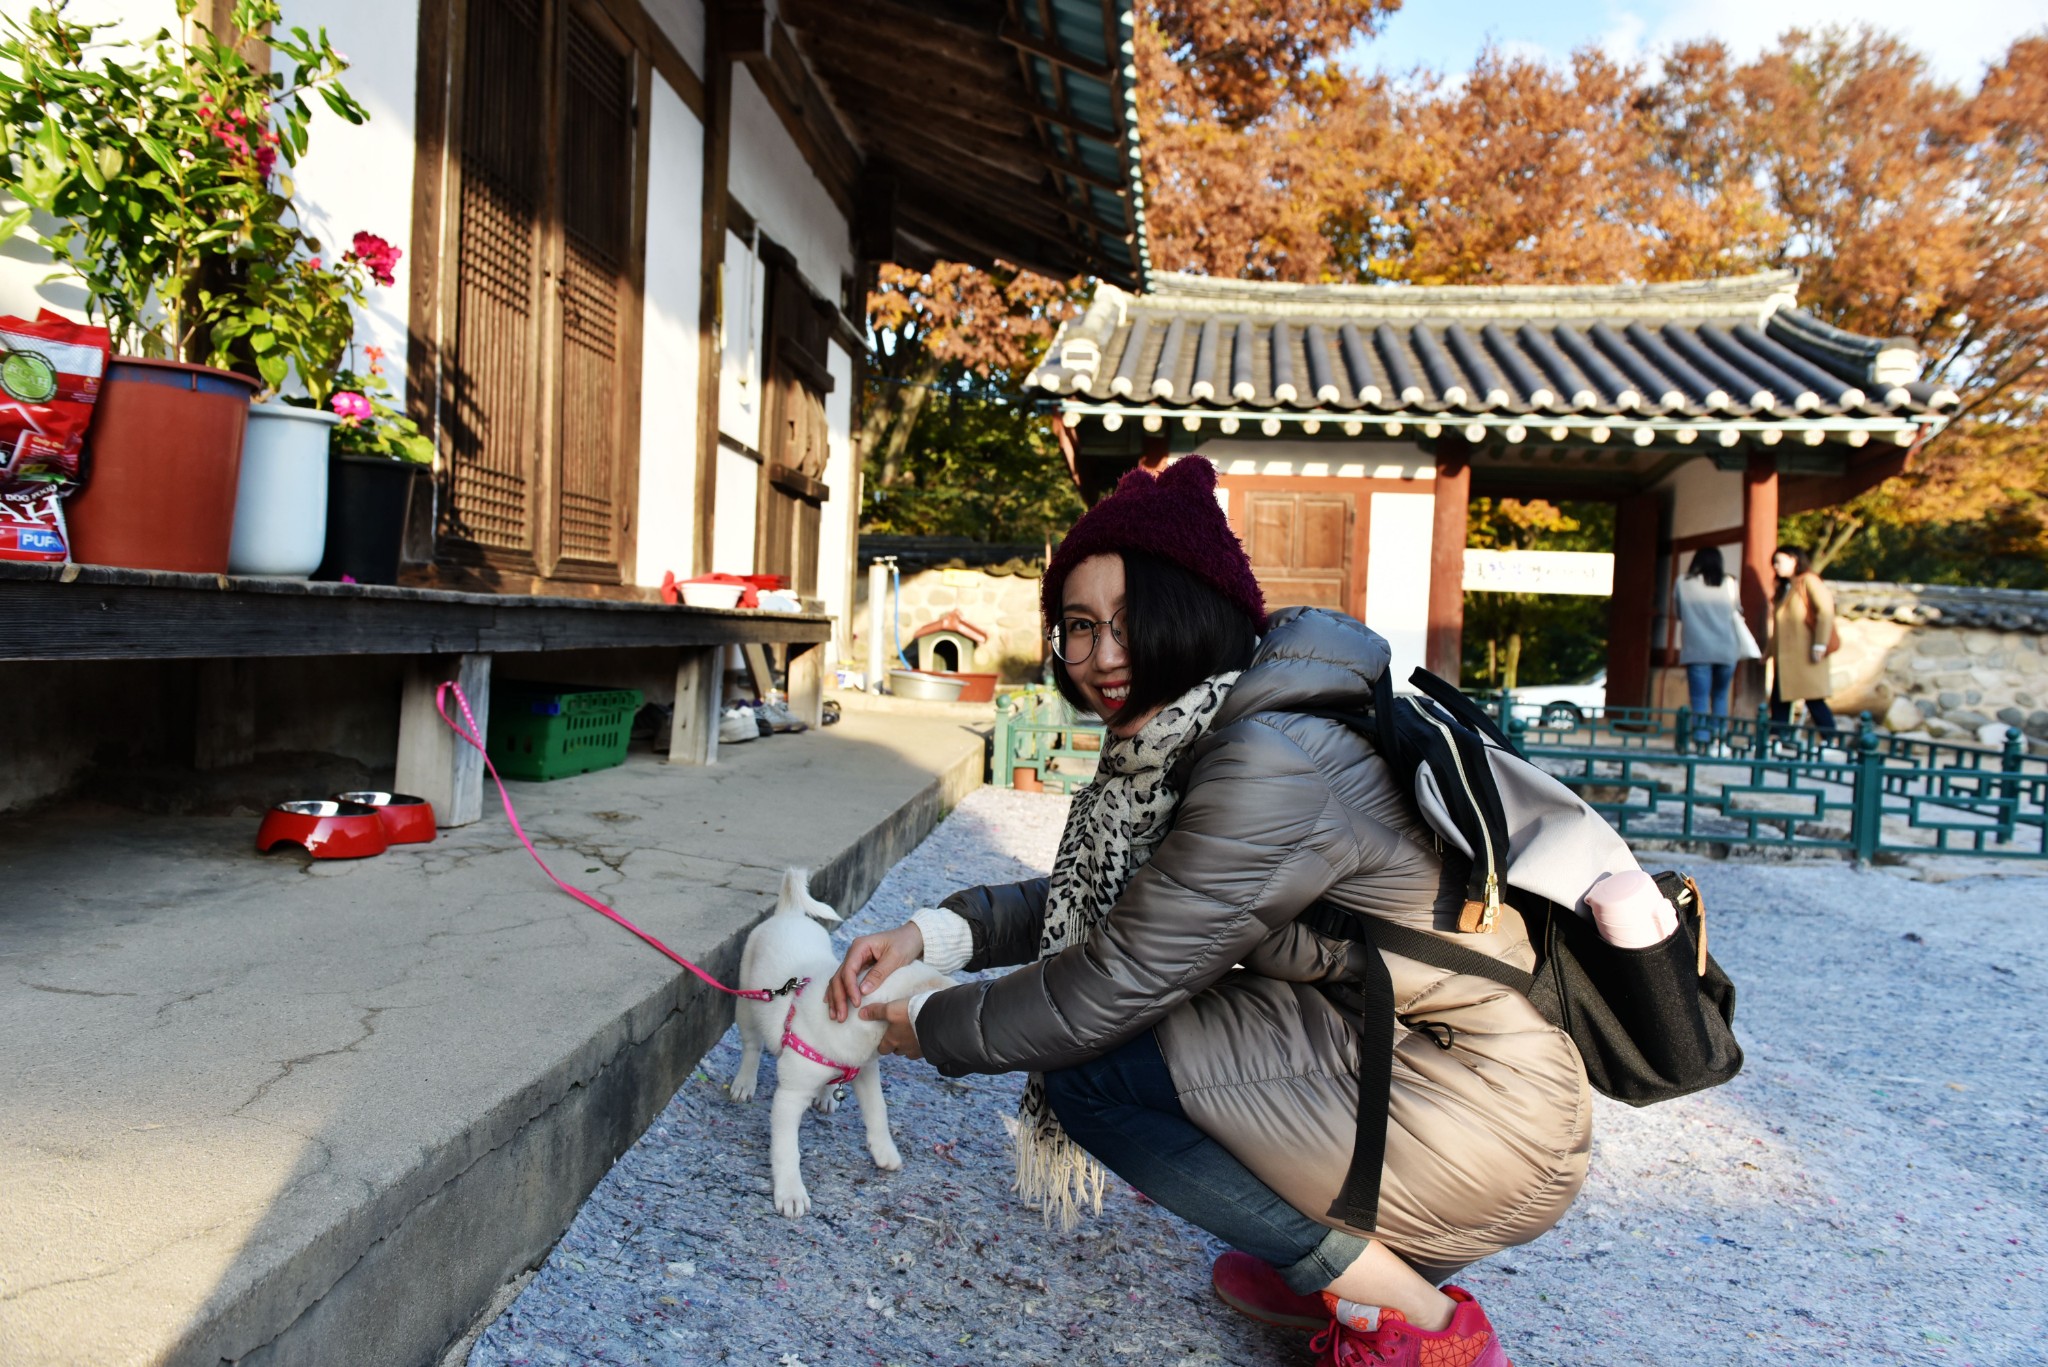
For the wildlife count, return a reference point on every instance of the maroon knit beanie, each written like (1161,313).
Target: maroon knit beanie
(1173,516)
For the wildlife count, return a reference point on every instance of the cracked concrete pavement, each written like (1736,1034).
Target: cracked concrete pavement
(247,1101)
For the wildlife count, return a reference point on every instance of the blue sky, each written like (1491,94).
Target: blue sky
(1958,36)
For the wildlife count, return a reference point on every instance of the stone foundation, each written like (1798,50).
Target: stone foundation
(1955,664)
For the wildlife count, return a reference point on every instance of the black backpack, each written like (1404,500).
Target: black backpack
(1651,1024)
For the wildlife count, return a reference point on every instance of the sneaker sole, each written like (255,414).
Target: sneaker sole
(1277,1319)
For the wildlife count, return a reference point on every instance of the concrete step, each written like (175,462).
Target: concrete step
(272,1110)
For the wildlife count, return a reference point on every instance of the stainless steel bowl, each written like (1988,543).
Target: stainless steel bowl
(913,683)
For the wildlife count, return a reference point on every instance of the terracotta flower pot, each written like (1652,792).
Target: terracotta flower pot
(162,458)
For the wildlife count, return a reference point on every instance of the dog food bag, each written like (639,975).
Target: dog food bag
(50,373)
(33,530)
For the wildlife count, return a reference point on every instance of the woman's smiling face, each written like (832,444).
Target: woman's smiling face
(1093,597)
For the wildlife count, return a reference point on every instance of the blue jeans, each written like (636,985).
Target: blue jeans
(1122,1108)
(1708,685)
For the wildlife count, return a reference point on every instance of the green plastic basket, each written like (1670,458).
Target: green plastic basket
(544,731)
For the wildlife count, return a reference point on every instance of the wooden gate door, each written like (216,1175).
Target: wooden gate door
(794,444)
(540,392)
(1300,547)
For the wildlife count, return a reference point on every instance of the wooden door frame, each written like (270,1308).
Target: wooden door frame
(435,291)
(1361,526)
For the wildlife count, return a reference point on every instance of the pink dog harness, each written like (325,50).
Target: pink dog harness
(790,1040)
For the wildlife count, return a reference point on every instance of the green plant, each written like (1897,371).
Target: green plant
(158,162)
(370,424)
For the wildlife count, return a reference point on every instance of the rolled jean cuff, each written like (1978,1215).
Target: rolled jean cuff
(1325,1262)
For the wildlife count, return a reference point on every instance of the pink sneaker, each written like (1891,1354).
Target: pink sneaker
(1252,1287)
(1467,1341)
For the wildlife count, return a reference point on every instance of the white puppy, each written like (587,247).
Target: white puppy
(787,947)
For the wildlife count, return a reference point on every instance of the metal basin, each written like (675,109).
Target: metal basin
(913,683)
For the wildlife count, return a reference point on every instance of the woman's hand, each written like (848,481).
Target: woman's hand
(868,963)
(901,1036)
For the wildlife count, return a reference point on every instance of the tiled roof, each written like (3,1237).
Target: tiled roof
(1697,351)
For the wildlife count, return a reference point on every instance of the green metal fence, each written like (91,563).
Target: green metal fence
(1861,792)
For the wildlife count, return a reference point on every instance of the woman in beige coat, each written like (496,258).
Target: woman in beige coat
(1183,1026)
(1802,624)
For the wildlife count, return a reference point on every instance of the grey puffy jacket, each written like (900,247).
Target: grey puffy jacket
(1486,1140)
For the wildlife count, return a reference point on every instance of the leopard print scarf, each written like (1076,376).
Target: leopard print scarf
(1115,824)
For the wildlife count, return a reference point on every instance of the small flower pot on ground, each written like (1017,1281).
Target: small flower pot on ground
(368,498)
(162,459)
(281,501)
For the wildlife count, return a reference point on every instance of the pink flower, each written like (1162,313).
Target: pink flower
(313,264)
(352,407)
(378,255)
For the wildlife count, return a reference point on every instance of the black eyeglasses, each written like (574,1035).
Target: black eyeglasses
(1073,638)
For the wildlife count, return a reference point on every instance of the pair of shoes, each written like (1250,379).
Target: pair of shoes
(1467,1341)
(738,723)
(1252,1287)
(778,717)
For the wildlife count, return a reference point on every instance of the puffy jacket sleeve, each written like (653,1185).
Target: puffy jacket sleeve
(1258,837)
(1005,920)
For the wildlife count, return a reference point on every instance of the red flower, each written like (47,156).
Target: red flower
(378,255)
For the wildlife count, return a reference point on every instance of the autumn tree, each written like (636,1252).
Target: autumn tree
(1564,635)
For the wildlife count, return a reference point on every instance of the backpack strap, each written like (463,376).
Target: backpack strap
(1448,696)
(1419,945)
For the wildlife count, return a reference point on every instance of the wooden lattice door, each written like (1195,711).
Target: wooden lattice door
(795,436)
(539,394)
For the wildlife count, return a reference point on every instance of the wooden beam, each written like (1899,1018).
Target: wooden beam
(693,731)
(1634,601)
(1759,539)
(1444,645)
(717,168)
(432,110)
(1016,37)
(874,216)
(737,29)
(433,762)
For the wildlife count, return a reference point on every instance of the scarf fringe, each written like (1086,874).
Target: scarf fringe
(1055,1176)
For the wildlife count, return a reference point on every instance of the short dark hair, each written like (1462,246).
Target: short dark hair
(1706,564)
(1178,632)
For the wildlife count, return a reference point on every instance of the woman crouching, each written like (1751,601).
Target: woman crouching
(1182,1027)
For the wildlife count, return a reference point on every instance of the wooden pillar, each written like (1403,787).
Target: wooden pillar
(1759,539)
(806,677)
(1152,455)
(1445,643)
(720,36)
(1633,605)
(693,734)
(434,762)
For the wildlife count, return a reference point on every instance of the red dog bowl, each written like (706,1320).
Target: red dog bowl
(327,830)
(408,820)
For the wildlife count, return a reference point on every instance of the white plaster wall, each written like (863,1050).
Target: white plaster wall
(683,22)
(1396,563)
(743,302)
(359,179)
(669,340)
(835,539)
(732,527)
(771,180)
(1701,498)
(1318,459)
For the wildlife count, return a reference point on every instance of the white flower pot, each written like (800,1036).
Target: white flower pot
(281,499)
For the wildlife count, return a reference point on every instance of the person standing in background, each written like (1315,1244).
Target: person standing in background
(1802,633)
(1714,640)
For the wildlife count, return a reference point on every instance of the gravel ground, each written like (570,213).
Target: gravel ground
(1872,1189)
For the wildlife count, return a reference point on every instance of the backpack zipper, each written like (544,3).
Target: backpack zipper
(1492,910)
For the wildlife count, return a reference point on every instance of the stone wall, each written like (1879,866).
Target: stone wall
(1955,664)
(1000,598)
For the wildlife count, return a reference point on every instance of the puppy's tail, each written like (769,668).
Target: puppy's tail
(796,899)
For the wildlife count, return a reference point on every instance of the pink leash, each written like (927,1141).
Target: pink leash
(760,994)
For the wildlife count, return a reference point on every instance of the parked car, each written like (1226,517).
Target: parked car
(1563,707)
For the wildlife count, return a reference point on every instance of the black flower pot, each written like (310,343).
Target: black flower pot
(367,499)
